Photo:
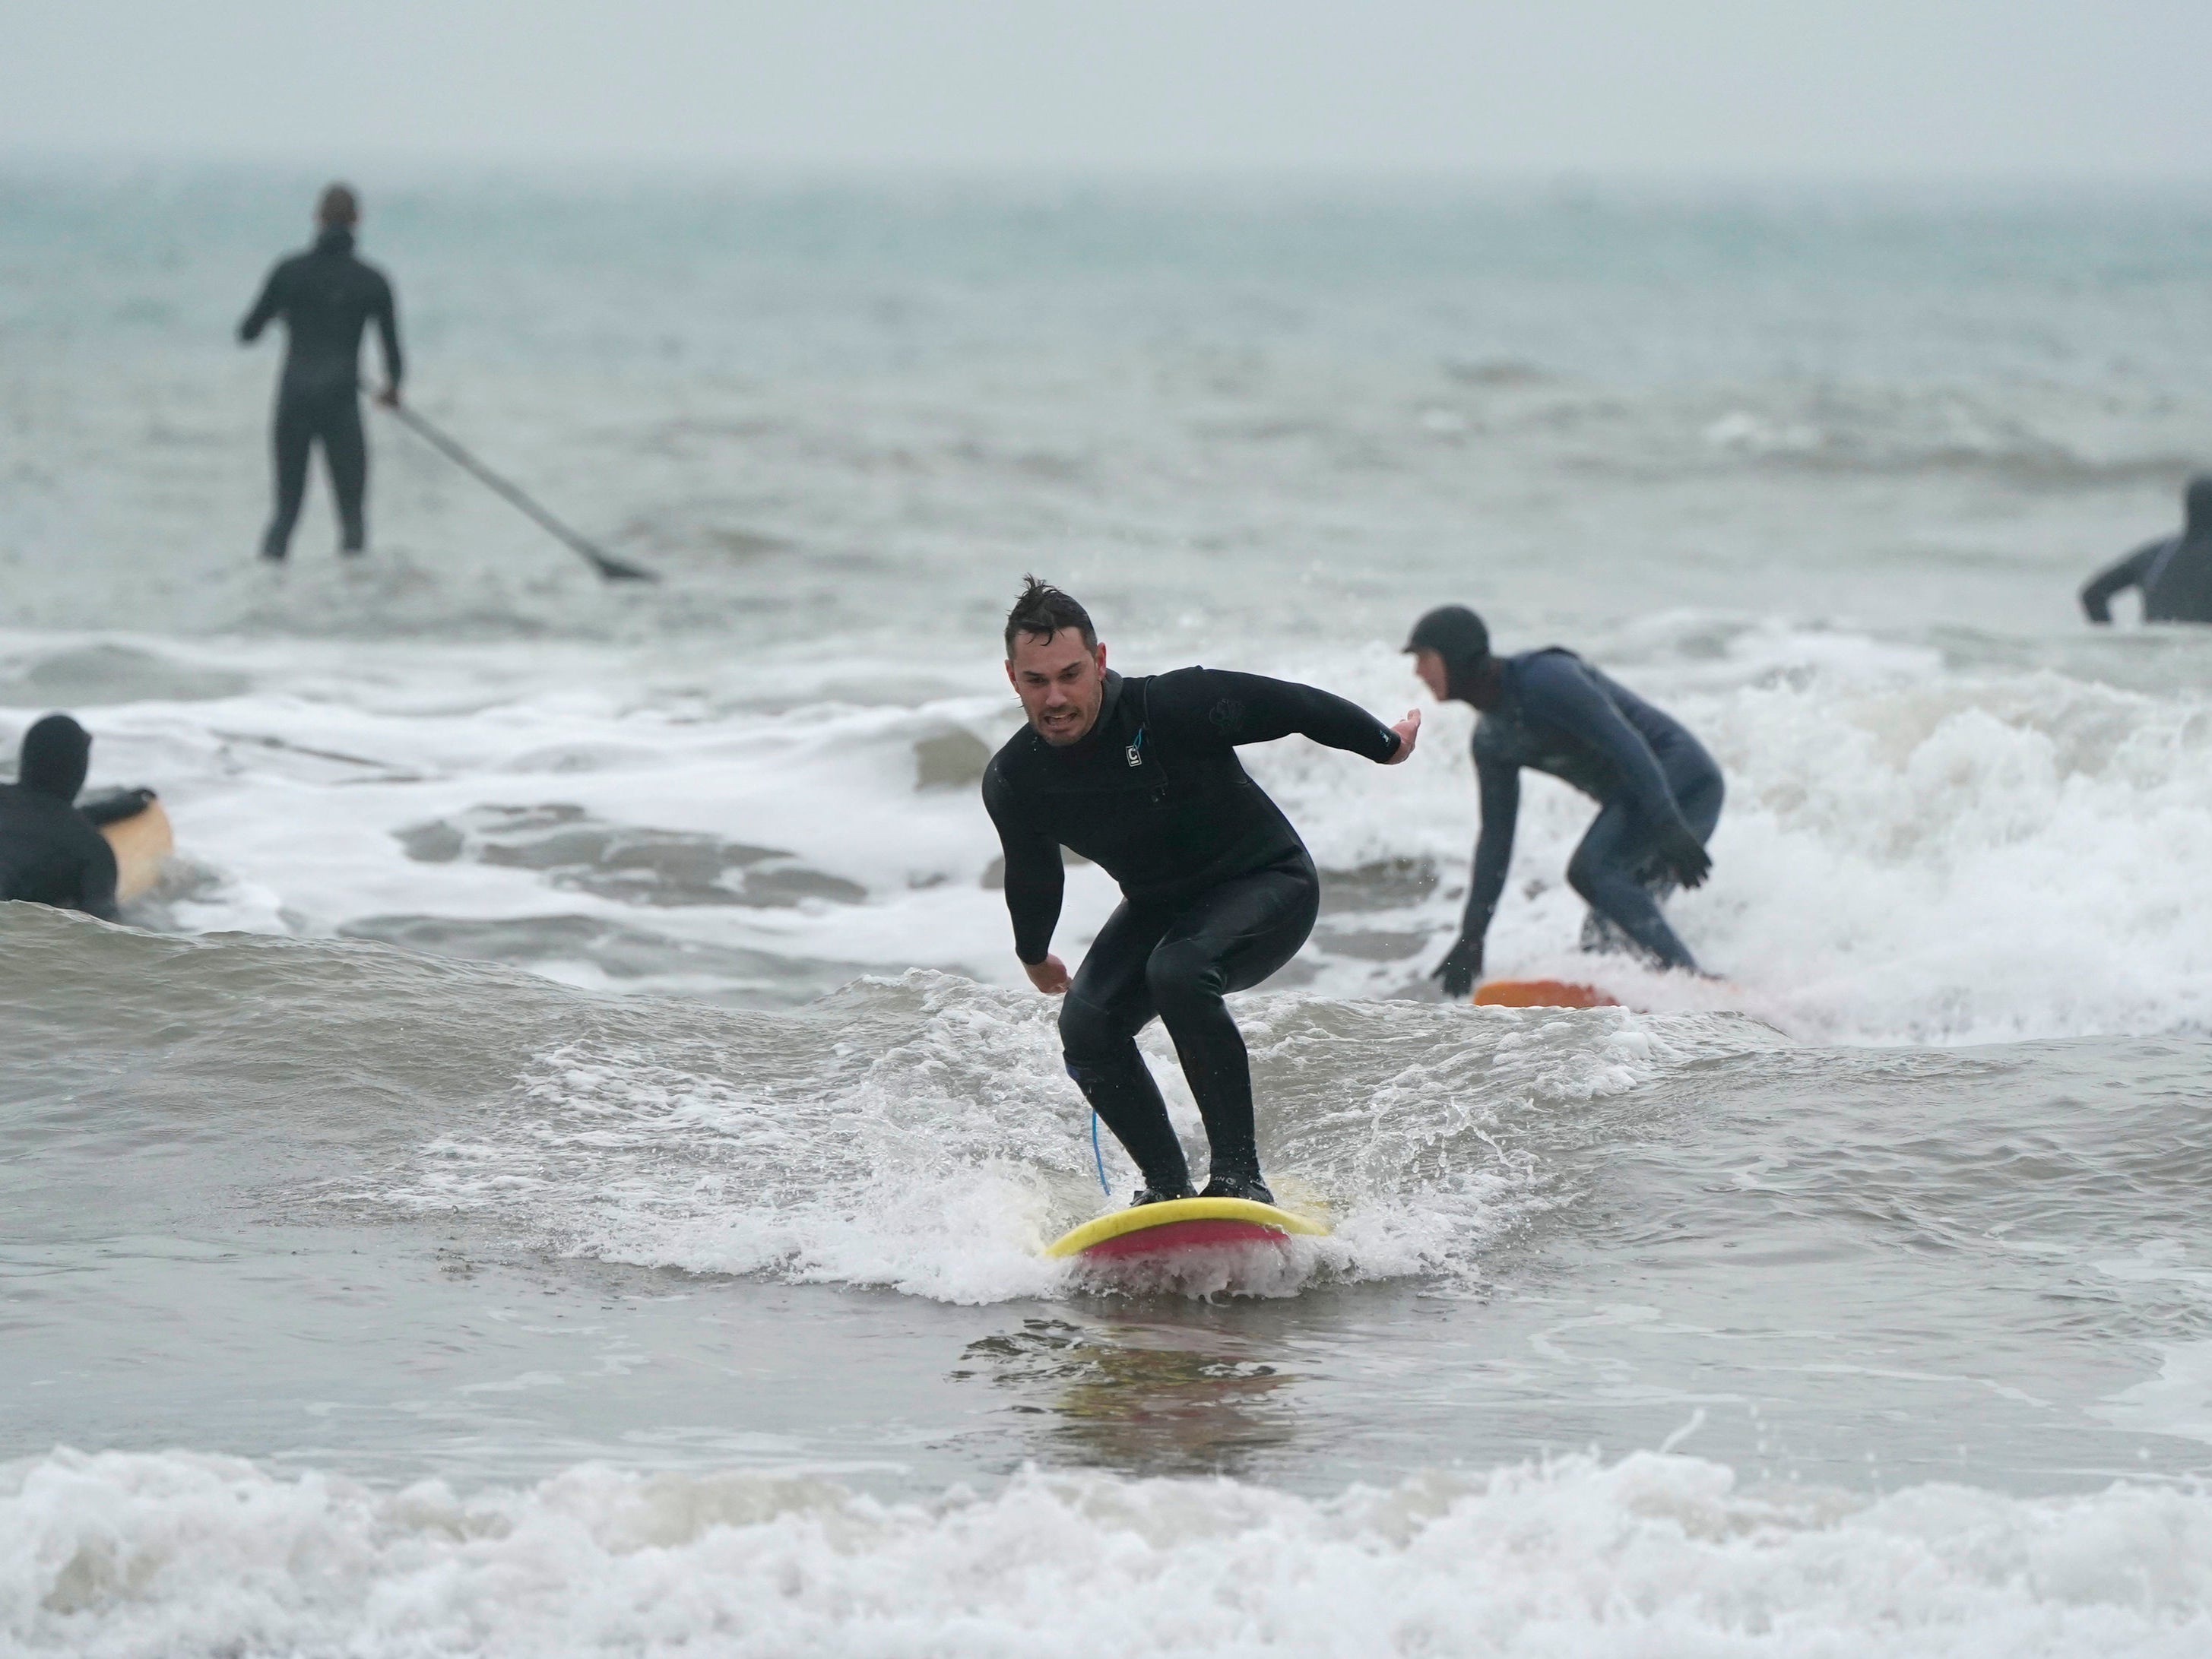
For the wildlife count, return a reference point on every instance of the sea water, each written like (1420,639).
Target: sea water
(559,1163)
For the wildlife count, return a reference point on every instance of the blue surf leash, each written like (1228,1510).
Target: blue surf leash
(1099,1156)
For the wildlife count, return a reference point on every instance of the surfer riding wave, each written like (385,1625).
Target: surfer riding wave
(1658,792)
(1141,777)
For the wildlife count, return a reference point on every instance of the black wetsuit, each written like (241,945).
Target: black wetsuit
(1217,891)
(2175,573)
(1647,774)
(326,297)
(49,851)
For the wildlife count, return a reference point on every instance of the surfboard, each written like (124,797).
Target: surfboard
(1540,994)
(1181,1224)
(141,842)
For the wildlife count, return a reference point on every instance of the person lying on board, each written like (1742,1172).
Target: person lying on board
(52,851)
(2174,573)
(1658,792)
(1141,777)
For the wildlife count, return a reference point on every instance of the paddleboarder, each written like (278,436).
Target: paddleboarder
(1658,791)
(52,851)
(326,297)
(1141,777)
(2174,573)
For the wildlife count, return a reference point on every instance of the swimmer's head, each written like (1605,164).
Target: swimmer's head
(1450,648)
(1055,663)
(337,208)
(56,752)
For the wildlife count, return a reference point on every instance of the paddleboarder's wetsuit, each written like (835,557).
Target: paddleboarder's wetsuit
(49,851)
(326,297)
(1217,891)
(2175,574)
(1654,782)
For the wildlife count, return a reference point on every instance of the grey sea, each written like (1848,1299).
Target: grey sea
(559,1163)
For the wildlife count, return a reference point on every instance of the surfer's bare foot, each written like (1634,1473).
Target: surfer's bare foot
(1239,1186)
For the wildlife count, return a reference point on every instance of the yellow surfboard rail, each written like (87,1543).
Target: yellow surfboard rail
(1139,1217)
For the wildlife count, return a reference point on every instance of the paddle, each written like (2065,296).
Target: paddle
(614,569)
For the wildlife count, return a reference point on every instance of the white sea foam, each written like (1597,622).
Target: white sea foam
(1910,852)
(919,1134)
(123,1556)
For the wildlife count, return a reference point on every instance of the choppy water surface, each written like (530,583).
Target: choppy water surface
(560,1164)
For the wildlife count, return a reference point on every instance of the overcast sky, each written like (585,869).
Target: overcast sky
(1918,88)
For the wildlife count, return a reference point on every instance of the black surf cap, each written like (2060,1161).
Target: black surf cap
(1453,632)
(56,752)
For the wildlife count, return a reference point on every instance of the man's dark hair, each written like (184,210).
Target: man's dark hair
(1042,611)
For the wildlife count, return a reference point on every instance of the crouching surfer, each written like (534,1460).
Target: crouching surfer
(1141,777)
(1658,792)
(52,851)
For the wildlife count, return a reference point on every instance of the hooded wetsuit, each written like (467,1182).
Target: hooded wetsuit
(1217,891)
(2175,574)
(1647,774)
(49,851)
(326,297)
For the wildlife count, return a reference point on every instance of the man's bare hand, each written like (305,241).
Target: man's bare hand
(1049,977)
(1408,730)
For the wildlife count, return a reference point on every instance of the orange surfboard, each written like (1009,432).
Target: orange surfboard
(1540,994)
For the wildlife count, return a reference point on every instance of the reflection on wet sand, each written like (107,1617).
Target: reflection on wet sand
(1139,1398)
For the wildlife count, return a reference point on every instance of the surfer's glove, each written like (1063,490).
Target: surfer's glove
(1458,971)
(120,804)
(1683,853)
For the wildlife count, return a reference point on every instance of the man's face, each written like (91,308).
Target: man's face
(1430,666)
(1060,680)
